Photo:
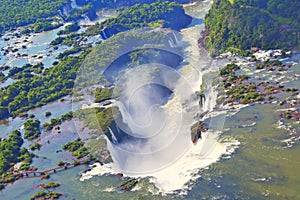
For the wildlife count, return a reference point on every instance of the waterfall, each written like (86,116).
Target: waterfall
(162,146)
(87,19)
(103,34)
(175,37)
(173,41)
(114,139)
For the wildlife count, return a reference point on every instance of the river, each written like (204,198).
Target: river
(250,160)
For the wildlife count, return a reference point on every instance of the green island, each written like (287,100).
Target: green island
(20,13)
(237,25)
(49,185)
(241,89)
(11,153)
(42,13)
(32,129)
(157,14)
(57,121)
(31,92)
(69,29)
(45,195)
(20,96)
(77,148)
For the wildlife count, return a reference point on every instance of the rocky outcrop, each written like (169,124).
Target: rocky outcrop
(197,130)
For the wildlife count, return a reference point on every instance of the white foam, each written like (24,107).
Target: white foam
(208,150)
(175,177)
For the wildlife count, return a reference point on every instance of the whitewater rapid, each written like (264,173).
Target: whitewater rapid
(208,150)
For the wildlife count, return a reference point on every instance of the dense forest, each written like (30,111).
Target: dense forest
(37,86)
(117,3)
(35,91)
(239,24)
(158,14)
(12,153)
(22,12)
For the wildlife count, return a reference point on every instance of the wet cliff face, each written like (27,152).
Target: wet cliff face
(177,19)
(107,32)
(3,113)
(123,62)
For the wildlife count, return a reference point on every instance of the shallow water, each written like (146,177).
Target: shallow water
(260,168)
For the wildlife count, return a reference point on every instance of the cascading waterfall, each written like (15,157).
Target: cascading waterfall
(167,154)
(114,139)
(173,42)
(175,37)
(103,34)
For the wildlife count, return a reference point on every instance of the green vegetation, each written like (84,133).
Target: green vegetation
(41,12)
(77,148)
(26,71)
(10,150)
(48,114)
(2,77)
(95,118)
(102,94)
(98,149)
(69,29)
(45,195)
(240,88)
(37,86)
(21,12)
(61,163)
(32,129)
(242,24)
(164,14)
(236,89)
(35,91)
(68,40)
(45,176)
(41,26)
(57,121)
(50,185)
(98,4)
(10,154)
(35,146)
(79,13)
(69,52)
(140,15)
(128,185)
(99,59)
